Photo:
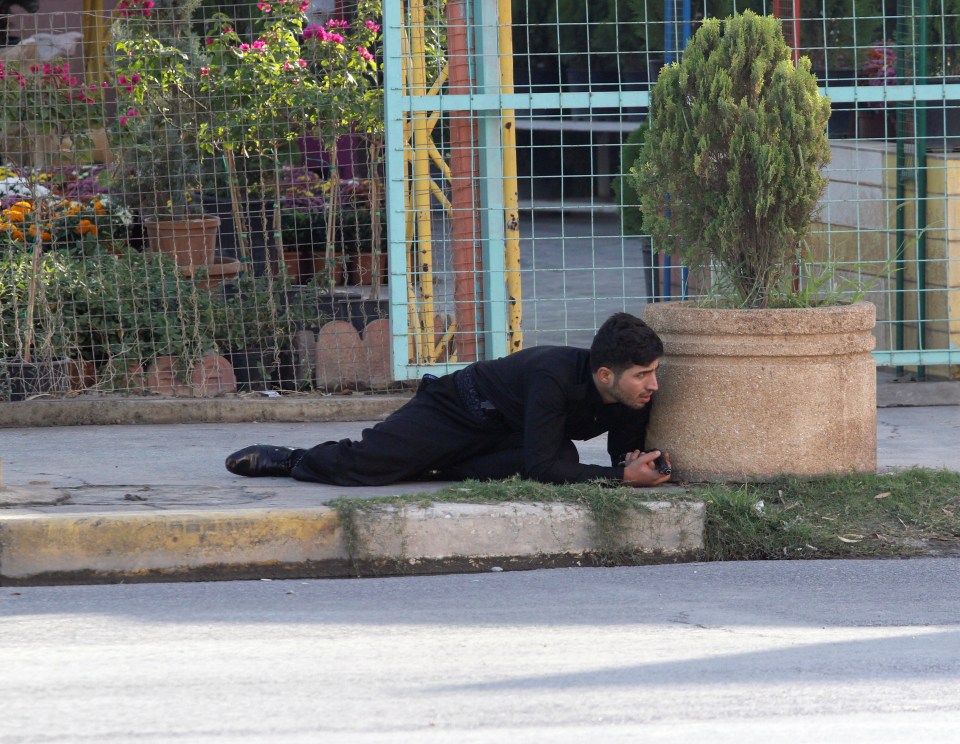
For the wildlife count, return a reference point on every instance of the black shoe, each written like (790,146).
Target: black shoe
(261,460)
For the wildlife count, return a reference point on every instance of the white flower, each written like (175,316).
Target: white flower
(16,186)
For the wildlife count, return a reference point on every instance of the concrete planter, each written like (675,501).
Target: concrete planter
(749,395)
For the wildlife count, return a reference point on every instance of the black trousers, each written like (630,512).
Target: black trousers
(434,436)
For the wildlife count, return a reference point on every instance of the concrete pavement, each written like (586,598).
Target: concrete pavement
(116,491)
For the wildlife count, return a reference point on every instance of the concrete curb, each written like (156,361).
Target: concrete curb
(99,411)
(943,393)
(315,543)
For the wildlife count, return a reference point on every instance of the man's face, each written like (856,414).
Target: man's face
(633,387)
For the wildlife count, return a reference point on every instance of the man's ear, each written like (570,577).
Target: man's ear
(606,375)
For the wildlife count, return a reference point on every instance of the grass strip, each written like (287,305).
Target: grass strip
(896,514)
(910,512)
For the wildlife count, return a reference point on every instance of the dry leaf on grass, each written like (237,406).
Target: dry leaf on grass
(850,538)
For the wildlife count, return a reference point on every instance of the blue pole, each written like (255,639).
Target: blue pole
(685,38)
(668,57)
(671,26)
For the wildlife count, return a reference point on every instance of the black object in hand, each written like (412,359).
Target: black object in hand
(661,465)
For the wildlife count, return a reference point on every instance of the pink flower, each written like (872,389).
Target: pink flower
(135,78)
(259,44)
(362,51)
(132,112)
(337,23)
(210,41)
(204,71)
(122,80)
(265,7)
(372,26)
(336,38)
(303,7)
(312,31)
(302,62)
(244,47)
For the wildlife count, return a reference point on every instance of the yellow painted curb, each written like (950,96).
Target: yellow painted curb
(171,542)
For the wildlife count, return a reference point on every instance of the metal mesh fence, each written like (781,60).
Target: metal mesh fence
(574,85)
(467,198)
(190,195)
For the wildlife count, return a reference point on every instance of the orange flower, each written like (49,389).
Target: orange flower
(44,235)
(17,235)
(17,211)
(86,226)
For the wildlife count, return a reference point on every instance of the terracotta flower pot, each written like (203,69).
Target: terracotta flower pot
(213,274)
(191,242)
(318,269)
(361,269)
(291,260)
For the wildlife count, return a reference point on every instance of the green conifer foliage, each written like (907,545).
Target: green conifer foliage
(730,174)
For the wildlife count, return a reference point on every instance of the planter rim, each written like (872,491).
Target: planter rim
(687,317)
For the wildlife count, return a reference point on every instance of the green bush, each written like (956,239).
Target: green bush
(128,308)
(730,175)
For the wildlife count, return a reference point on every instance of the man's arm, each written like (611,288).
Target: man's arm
(544,434)
(628,432)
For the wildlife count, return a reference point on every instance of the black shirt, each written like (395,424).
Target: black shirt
(548,393)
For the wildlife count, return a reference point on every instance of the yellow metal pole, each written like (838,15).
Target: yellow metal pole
(421,182)
(413,322)
(510,193)
(94,26)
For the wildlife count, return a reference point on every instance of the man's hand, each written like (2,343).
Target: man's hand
(639,470)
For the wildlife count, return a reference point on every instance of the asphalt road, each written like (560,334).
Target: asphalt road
(852,651)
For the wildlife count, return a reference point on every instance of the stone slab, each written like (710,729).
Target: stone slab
(108,547)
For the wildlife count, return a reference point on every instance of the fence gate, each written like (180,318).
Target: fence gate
(510,124)
(453,224)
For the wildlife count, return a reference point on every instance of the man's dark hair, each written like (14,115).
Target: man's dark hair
(623,341)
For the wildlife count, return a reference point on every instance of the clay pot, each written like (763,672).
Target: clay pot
(361,269)
(190,242)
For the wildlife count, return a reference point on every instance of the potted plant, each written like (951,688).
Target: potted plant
(260,94)
(46,112)
(33,362)
(158,65)
(767,376)
(342,58)
(42,104)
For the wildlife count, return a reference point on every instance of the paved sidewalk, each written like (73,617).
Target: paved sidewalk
(152,501)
